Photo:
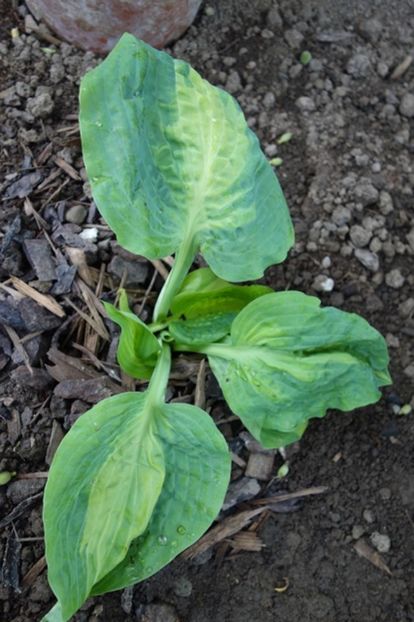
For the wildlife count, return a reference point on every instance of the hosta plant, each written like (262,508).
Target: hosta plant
(174,169)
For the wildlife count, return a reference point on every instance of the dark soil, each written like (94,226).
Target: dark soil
(348,177)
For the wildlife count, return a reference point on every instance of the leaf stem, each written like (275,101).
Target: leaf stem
(159,379)
(182,264)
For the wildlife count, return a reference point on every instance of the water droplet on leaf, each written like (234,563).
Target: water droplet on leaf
(162,540)
(181,530)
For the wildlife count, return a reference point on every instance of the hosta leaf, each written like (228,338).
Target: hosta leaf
(173,164)
(197,463)
(103,485)
(288,360)
(205,329)
(138,349)
(203,294)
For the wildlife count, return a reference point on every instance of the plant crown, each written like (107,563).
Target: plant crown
(174,169)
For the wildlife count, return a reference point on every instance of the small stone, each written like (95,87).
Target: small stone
(305,104)
(76,214)
(395,279)
(21,489)
(371,29)
(269,100)
(365,193)
(406,308)
(323,283)
(136,271)
(357,531)
(274,19)
(233,82)
(39,254)
(392,340)
(368,259)
(407,105)
(409,371)
(381,542)
(341,216)
(410,239)
(386,205)
(183,587)
(385,494)
(40,106)
(359,66)
(241,490)
(326,262)
(157,613)
(360,237)
(368,516)
(293,38)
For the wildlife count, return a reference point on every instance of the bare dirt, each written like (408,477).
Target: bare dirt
(348,177)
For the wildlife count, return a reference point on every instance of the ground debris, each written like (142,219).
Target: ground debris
(89,390)
(364,550)
(23,186)
(39,254)
(9,575)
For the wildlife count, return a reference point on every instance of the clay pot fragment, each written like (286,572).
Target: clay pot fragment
(97,24)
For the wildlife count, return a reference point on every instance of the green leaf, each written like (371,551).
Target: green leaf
(203,294)
(138,349)
(288,361)
(133,483)
(197,475)
(103,485)
(201,330)
(173,164)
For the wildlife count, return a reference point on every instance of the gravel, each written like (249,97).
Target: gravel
(368,259)
(381,542)
(407,105)
(395,279)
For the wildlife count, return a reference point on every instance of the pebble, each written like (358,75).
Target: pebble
(406,308)
(386,205)
(136,271)
(305,104)
(76,214)
(409,371)
(323,283)
(341,216)
(274,19)
(410,239)
(157,613)
(241,490)
(368,516)
(359,66)
(233,82)
(366,193)
(293,38)
(395,279)
(360,237)
(407,105)
(183,587)
(381,542)
(357,531)
(40,106)
(368,259)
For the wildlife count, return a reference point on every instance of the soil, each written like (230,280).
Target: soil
(348,176)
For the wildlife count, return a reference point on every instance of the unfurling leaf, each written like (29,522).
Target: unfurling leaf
(288,360)
(138,349)
(201,330)
(146,480)
(173,164)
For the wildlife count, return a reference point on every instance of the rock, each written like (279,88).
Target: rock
(341,215)
(241,490)
(233,82)
(293,38)
(260,465)
(357,531)
(395,279)
(76,214)
(407,105)
(39,254)
(269,100)
(10,315)
(406,308)
(371,29)
(136,270)
(274,19)
(360,237)
(381,542)
(386,205)
(410,239)
(323,283)
(365,193)
(409,371)
(21,489)
(183,587)
(368,259)
(305,104)
(359,66)
(36,317)
(368,516)
(157,613)
(40,106)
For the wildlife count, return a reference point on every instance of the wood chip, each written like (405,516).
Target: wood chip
(54,441)
(160,268)
(65,166)
(32,574)
(47,302)
(402,67)
(364,550)
(305,492)
(97,326)
(78,259)
(39,254)
(15,339)
(227,528)
(260,465)
(247,541)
